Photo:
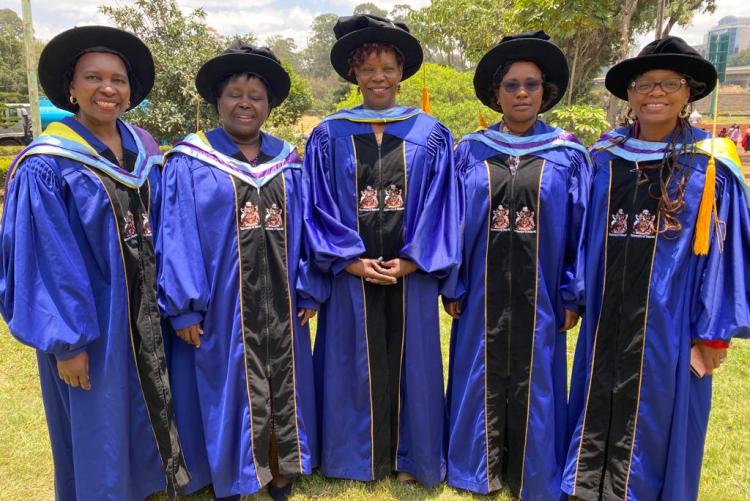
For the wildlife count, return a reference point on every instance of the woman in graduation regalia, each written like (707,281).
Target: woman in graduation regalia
(78,275)
(520,285)
(382,219)
(234,283)
(667,281)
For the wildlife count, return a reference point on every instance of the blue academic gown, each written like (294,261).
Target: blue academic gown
(522,266)
(638,415)
(78,274)
(377,357)
(232,263)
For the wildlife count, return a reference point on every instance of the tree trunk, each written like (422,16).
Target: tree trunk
(624,17)
(572,81)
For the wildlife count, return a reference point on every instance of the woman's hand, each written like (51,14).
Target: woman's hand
(372,271)
(75,371)
(453,309)
(571,319)
(191,335)
(712,357)
(305,314)
(398,267)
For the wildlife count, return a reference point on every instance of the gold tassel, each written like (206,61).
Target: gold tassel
(426,101)
(425,93)
(707,208)
(482,121)
(706,211)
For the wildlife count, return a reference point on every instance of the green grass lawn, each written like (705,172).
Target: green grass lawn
(26,463)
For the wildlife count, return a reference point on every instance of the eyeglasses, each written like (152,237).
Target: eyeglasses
(513,86)
(668,85)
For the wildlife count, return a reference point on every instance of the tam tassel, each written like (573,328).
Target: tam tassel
(707,209)
(482,121)
(426,101)
(426,107)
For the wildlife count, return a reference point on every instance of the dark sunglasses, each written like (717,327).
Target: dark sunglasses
(513,86)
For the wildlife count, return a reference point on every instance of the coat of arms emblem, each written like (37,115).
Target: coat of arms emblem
(146,224)
(645,224)
(273,221)
(129,231)
(368,199)
(500,219)
(249,217)
(393,198)
(619,224)
(525,221)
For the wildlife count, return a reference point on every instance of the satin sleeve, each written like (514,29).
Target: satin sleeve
(433,241)
(579,188)
(183,287)
(720,305)
(332,244)
(45,291)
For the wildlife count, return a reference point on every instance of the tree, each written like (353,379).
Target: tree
(13,85)
(370,8)
(317,59)
(179,43)
(742,58)
(285,49)
(400,13)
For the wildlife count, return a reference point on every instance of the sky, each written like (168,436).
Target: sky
(288,18)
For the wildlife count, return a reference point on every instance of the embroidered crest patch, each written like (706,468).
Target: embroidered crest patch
(618,226)
(273,220)
(645,225)
(525,221)
(249,217)
(500,219)
(368,200)
(393,198)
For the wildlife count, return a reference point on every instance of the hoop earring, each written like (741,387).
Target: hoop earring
(73,100)
(685,111)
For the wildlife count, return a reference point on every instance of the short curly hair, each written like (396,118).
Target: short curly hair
(361,53)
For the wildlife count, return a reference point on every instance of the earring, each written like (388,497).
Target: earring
(398,88)
(685,111)
(630,114)
(73,100)
(359,91)
(127,104)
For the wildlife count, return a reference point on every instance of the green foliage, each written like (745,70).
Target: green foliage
(742,58)
(4,165)
(586,122)
(299,101)
(316,56)
(180,43)
(12,61)
(451,97)
(370,8)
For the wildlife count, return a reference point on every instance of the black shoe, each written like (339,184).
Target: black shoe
(280,493)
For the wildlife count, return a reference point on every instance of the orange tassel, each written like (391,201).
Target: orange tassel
(482,121)
(707,208)
(426,101)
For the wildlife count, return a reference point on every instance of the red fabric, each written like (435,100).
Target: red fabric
(715,344)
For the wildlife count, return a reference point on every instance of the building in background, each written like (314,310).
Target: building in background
(737,31)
